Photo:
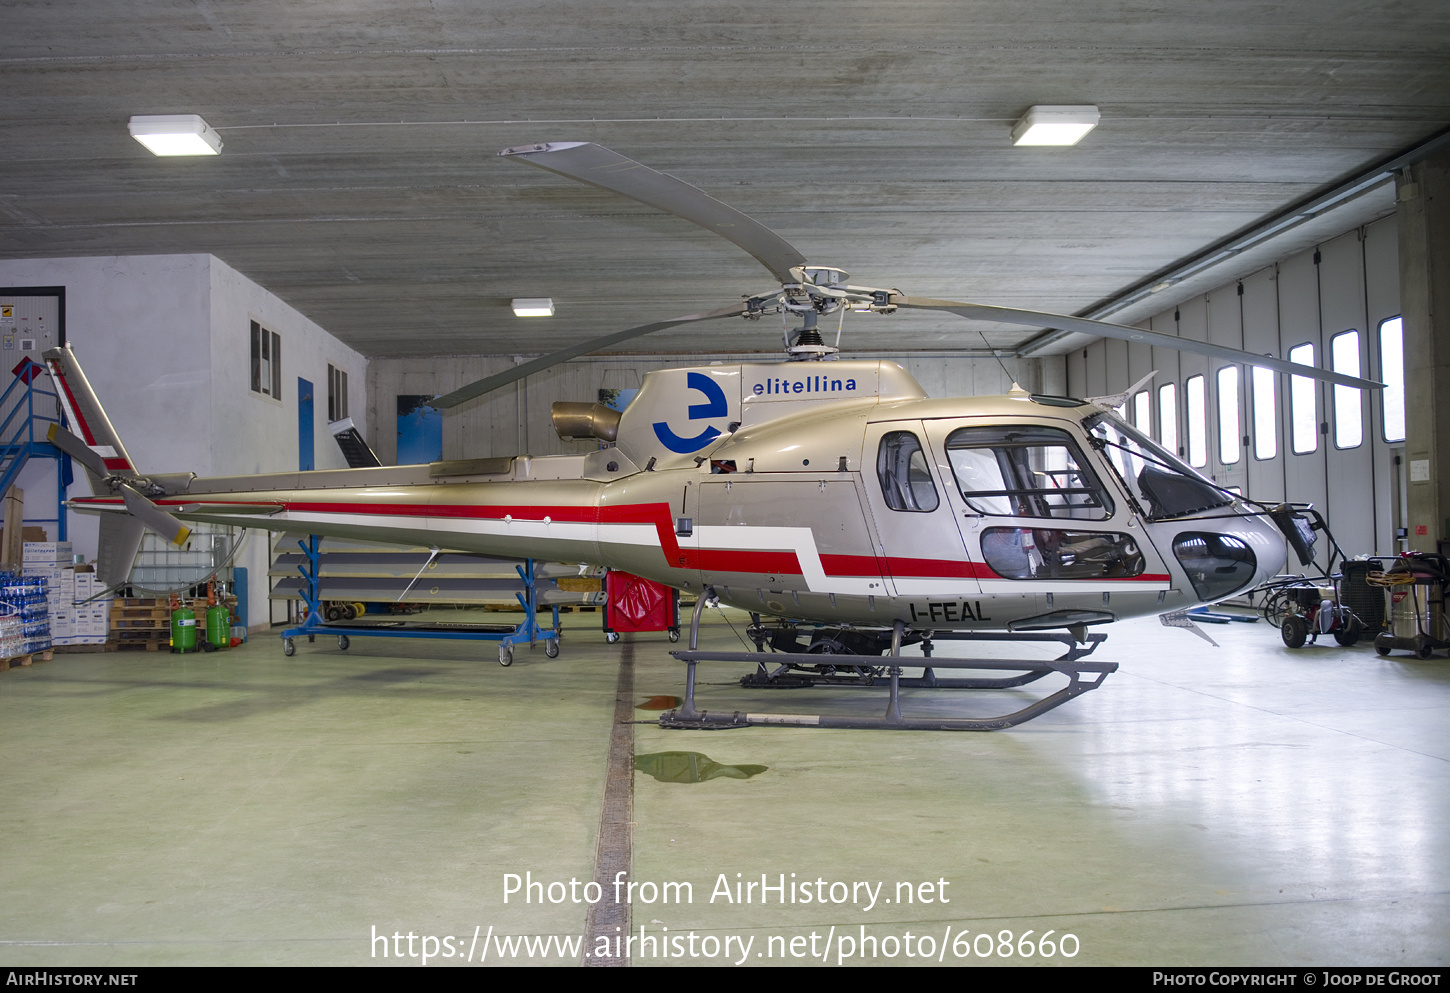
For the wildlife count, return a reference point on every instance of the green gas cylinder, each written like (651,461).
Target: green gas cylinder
(183,630)
(219,626)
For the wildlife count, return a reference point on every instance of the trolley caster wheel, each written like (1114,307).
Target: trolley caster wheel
(1424,652)
(349,612)
(332,612)
(674,635)
(311,638)
(611,636)
(1293,631)
(551,648)
(1349,634)
(505,655)
(1382,644)
(343,642)
(288,648)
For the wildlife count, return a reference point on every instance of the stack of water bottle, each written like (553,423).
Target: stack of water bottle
(24,615)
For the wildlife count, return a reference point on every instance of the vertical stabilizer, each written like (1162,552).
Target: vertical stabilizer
(87,419)
(120,540)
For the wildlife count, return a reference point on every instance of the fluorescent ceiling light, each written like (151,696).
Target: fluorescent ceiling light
(533,307)
(1054,125)
(176,134)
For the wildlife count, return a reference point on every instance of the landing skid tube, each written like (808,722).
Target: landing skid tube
(689,717)
(801,671)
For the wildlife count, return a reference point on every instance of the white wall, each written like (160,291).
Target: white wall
(165,342)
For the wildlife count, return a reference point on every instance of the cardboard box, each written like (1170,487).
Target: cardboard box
(48,552)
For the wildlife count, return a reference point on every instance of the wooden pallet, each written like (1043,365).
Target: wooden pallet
(23,660)
(120,613)
(141,644)
(156,628)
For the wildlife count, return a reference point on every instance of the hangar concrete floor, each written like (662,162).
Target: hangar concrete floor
(1242,805)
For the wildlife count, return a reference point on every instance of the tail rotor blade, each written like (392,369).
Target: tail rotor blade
(153,516)
(1041,319)
(77,449)
(482,386)
(599,166)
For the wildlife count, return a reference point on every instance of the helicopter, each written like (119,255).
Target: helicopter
(829,491)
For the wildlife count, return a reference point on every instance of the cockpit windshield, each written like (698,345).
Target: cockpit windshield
(1162,483)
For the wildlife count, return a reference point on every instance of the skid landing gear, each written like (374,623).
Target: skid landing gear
(811,669)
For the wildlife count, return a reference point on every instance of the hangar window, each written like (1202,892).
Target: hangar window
(1348,407)
(1228,415)
(266,362)
(904,474)
(1266,420)
(1392,374)
(1017,471)
(1196,402)
(336,394)
(1168,417)
(1303,424)
(1142,412)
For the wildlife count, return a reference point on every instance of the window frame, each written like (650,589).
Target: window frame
(1259,377)
(905,490)
(266,356)
(1394,385)
(336,394)
(1297,384)
(1168,417)
(1029,502)
(1195,391)
(1225,436)
(1143,411)
(1345,396)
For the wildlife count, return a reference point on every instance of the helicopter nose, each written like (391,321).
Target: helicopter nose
(1237,554)
(1267,541)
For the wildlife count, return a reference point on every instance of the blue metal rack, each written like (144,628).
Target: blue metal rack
(18,438)
(507,637)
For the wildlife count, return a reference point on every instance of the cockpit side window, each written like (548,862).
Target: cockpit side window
(1025,471)
(905,476)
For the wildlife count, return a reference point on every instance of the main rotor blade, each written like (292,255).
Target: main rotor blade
(153,516)
(1039,319)
(482,386)
(78,450)
(599,166)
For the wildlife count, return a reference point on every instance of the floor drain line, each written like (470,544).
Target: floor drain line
(615,851)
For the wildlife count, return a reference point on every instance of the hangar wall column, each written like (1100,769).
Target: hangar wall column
(1423,194)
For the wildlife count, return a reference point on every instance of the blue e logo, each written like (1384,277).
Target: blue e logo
(714,406)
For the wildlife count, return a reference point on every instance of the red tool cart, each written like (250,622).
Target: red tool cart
(633,603)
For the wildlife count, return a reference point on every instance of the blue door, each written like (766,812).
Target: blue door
(305,458)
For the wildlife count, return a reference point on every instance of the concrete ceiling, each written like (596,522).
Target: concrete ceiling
(360,182)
